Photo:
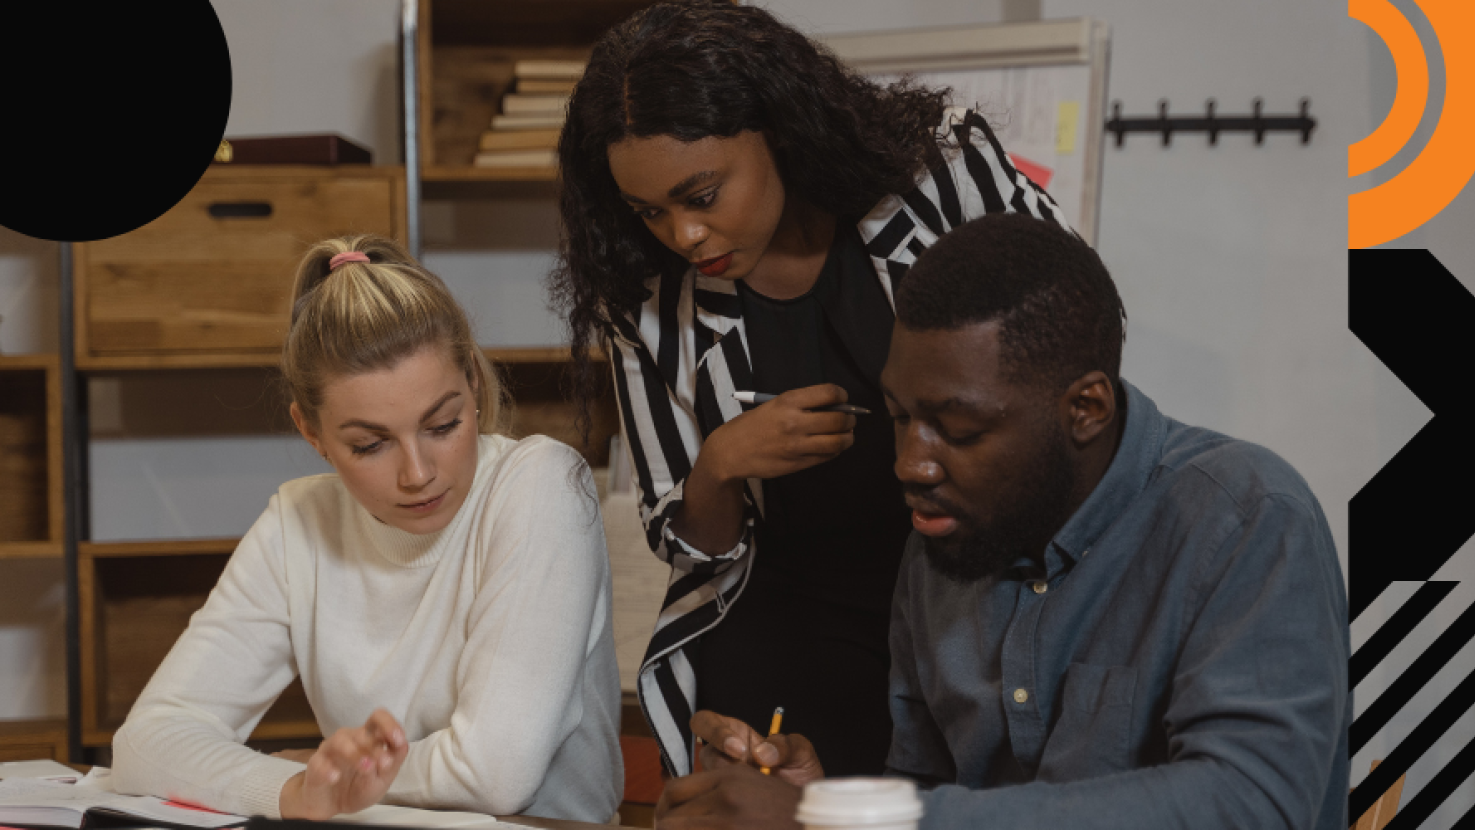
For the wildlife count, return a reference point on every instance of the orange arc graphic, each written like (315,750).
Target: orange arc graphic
(1437,176)
(1413,85)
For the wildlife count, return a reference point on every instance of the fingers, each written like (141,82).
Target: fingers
(679,791)
(794,758)
(810,397)
(733,796)
(725,736)
(823,423)
(354,767)
(381,726)
(825,446)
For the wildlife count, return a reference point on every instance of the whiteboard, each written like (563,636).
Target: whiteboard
(1042,86)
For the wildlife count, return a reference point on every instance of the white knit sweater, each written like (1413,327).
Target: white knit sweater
(490,641)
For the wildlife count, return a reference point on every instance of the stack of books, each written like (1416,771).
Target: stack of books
(526,133)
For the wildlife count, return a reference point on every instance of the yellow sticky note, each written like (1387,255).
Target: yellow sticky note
(1067,121)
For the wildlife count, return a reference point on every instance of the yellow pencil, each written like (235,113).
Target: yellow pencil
(773,727)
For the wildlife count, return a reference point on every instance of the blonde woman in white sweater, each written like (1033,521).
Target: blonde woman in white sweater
(444,594)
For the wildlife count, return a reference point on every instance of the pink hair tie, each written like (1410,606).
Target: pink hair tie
(347,256)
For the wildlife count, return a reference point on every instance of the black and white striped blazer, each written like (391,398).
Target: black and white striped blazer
(680,356)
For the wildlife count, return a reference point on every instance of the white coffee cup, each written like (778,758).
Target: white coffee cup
(860,804)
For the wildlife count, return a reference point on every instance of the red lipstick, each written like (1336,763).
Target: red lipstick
(715,267)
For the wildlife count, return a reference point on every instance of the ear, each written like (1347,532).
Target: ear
(1090,407)
(306,427)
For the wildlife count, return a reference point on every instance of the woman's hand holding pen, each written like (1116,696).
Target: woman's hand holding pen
(783,435)
(350,771)
(779,437)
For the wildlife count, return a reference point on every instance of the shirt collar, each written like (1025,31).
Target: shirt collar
(1125,478)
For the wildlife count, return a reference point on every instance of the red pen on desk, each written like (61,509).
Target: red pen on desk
(764,397)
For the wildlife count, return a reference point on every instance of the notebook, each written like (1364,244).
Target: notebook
(47,769)
(37,802)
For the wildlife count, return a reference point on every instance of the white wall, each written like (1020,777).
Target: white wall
(835,16)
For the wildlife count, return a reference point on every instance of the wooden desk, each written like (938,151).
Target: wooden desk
(554,823)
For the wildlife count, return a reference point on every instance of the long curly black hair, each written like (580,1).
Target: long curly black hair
(700,68)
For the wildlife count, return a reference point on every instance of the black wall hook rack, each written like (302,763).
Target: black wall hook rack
(1257,123)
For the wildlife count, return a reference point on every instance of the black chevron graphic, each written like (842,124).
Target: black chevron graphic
(1411,517)
(1414,514)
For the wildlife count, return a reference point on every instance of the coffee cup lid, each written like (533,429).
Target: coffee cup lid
(859,801)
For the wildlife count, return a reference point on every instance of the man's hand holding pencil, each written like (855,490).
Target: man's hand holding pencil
(728,741)
(731,784)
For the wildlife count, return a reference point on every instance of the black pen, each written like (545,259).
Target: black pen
(764,397)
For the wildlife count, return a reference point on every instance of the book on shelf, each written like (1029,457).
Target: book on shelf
(546,157)
(541,121)
(519,140)
(519,104)
(539,86)
(548,70)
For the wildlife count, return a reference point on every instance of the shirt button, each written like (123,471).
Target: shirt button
(1021,696)
(1040,586)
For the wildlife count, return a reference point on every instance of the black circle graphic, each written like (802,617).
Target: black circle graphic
(112,112)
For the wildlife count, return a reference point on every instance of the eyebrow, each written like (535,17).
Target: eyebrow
(372,427)
(680,189)
(973,407)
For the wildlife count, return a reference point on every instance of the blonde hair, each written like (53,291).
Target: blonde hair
(365,316)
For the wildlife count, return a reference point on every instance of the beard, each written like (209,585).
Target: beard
(1036,507)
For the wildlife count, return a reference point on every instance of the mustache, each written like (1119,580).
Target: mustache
(929,494)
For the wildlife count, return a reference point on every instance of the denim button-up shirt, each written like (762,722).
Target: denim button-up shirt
(1180,660)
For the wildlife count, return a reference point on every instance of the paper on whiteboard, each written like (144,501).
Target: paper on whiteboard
(1023,105)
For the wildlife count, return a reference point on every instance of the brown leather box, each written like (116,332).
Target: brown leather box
(293,149)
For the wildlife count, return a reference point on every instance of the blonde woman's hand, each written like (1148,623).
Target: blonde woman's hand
(350,771)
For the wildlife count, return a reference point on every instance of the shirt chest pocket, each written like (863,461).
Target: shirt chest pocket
(1091,737)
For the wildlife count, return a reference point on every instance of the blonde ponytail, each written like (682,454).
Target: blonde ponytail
(364,316)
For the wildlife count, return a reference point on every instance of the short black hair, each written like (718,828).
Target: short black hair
(1058,310)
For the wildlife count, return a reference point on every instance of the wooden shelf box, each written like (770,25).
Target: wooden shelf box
(33,740)
(31,509)
(135,599)
(209,282)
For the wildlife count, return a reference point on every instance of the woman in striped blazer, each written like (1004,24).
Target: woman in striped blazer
(738,207)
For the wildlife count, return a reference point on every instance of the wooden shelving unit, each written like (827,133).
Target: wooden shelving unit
(205,287)
(466,50)
(135,599)
(31,506)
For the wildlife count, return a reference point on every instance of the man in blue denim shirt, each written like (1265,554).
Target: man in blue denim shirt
(1106,618)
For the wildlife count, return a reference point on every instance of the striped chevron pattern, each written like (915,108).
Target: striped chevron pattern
(1413,675)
